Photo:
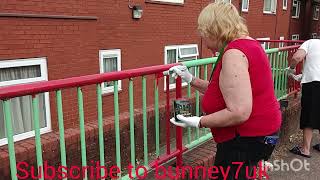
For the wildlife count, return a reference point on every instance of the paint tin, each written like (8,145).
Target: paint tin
(182,107)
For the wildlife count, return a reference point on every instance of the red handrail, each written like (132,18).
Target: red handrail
(282,41)
(52,85)
(289,48)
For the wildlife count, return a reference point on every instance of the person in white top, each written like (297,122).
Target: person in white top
(309,52)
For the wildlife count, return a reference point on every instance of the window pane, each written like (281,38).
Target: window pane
(267,5)
(244,4)
(298,11)
(188,51)
(16,73)
(284,3)
(227,1)
(110,64)
(22,116)
(171,58)
(316,13)
(273,5)
(294,3)
(21,111)
(294,11)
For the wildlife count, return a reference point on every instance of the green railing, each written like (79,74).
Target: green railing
(192,137)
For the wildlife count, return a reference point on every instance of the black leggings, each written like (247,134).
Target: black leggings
(244,151)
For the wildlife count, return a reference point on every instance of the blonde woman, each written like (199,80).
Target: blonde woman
(239,100)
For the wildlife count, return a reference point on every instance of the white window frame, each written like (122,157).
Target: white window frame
(243,9)
(265,44)
(284,4)
(316,9)
(314,35)
(170,1)
(281,44)
(273,11)
(296,3)
(110,53)
(178,55)
(44,77)
(295,37)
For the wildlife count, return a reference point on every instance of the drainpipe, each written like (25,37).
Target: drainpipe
(290,20)
(307,22)
(200,52)
(276,25)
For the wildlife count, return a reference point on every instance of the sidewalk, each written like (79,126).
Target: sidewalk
(313,174)
(203,155)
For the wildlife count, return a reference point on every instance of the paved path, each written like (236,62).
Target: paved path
(312,174)
(204,155)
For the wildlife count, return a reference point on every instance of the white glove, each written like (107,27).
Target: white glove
(290,71)
(296,77)
(186,121)
(181,71)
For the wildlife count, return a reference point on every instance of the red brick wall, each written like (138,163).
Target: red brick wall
(267,25)
(72,46)
(297,24)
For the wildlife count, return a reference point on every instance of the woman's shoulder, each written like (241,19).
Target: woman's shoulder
(245,45)
(244,41)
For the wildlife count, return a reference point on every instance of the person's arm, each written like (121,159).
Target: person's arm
(199,84)
(299,55)
(236,89)
(297,58)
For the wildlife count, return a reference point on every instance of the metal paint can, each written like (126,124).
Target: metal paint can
(182,107)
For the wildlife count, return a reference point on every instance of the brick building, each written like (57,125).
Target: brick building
(49,40)
(304,23)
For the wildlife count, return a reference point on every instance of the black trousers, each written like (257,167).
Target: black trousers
(310,103)
(247,151)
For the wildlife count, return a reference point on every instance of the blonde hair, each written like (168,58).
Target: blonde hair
(221,22)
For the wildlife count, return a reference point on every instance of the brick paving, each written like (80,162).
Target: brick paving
(203,155)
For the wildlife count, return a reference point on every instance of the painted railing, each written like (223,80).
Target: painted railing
(280,43)
(278,58)
(184,140)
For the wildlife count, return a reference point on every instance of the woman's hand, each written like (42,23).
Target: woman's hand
(181,71)
(186,121)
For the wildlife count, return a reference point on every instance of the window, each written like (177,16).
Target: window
(180,53)
(314,35)
(265,45)
(170,1)
(295,9)
(281,44)
(21,71)
(284,4)
(110,61)
(245,5)
(295,37)
(316,13)
(270,6)
(227,1)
